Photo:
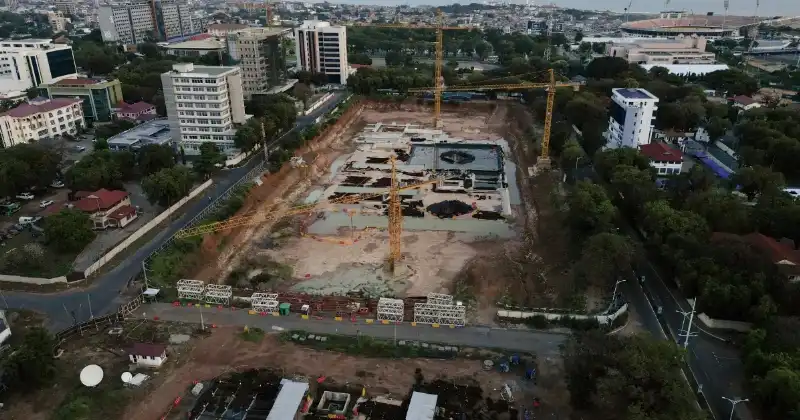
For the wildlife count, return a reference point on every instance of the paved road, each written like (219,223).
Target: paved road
(103,295)
(543,344)
(715,364)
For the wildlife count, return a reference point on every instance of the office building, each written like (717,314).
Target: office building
(204,104)
(681,50)
(631,121)
(137,22)
(29,63)
(260,54)
(40,118)
(322,48)
(99,96)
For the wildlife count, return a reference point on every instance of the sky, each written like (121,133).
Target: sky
(737,7)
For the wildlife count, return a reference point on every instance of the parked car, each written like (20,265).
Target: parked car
(45,203)
(80,148)
(25,196)
(57,184)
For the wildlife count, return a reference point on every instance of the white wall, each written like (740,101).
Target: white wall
(147,361)
(602,319)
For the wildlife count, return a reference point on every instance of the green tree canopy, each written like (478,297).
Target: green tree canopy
(168,185)
(153,158)
(210,160)
(68,230)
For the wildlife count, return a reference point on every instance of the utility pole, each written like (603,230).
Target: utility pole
(689,326)
(614,294)
(733,402)
(264,139)
(144,273)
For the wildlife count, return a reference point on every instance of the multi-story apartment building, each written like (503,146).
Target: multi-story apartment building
(38,119)
(139,21)
(630,123)
(322,48)
(66,6)
(57,21)
(204,104)
(681,50)
(99,96)
(29,63)
(259,52)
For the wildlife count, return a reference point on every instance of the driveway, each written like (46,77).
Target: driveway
(63,309)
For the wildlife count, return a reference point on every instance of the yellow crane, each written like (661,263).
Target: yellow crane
(439,58)
(394,212)
(551,94)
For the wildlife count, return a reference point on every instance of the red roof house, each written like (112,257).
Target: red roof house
(99,200)
(782,253)
(37,107)
(134,111)
(660,152)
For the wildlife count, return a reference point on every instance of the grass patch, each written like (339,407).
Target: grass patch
(106,401)
(25,255)
(253,335)
(371,347)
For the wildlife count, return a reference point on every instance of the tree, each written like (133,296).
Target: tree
(755,180)
(101,144)
(723,211)
(717,127)
(25,166)
(571,154)
(607,68)
(168,185)
(359,58)
(732,82)
(605,257)
(248,136)
(661,221)
(590,210)
(628,378)
(32,92)
(97,170)
(149,50)
(68,230)
(153,158)
(210,160)
(31,365)
(578,36)
(302,92)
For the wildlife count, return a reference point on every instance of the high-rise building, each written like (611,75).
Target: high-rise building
(39,119)
(260,53)
(630,123)
(66,6)
(322,48)
(204,104)
(29,63)
(137,22)
(57,21)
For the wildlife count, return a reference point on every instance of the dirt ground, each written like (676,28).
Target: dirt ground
(224,352)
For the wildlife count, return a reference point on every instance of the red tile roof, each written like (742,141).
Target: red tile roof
(101,199)
(777,251)
(28,109)
(134,108)
(744,100)
(123,212)
(147,350)
(660,152)
(78,81)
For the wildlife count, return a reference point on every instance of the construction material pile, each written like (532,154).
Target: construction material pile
(457,157)
(449,208)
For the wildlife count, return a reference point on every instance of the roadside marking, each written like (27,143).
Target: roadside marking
(435,325)
(385,322)
(369,321)
(304,316)
(251,312)
(338,318)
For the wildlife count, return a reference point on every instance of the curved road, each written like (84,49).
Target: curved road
(62,309)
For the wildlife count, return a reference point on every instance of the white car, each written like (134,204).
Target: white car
(45,203)
(57,184)
(25,196)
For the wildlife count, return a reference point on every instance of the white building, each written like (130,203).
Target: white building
(136,22)
(31,62)
(204,103)
(259,52)
(322,48)
(148,355)
(35,120)
(631,121)
(57,21)
(665,160)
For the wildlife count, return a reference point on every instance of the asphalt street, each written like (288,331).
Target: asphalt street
(715,364)
(103,295)
(543,344)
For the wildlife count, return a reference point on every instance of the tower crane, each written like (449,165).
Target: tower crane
(628,10)
(544,158)
(439,26)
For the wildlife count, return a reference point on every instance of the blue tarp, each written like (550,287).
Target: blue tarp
(713,165)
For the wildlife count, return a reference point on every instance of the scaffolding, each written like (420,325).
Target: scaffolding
(190,289)
(218,294)
(264,302)
(440,299)
(390,309)
(431,313)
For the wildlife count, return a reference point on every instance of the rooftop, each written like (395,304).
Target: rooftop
(140,106)
(226,26)
(634,93)
(151,132)
(744,100)
(422,406)
(101,199)
(288,400)
(37,107)
(191,69)
(79,82)
(660,152)
(147,350)
(200,44)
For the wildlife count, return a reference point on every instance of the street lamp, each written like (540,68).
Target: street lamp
(614,294)
(733,404)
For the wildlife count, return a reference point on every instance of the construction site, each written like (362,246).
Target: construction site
(324,234)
